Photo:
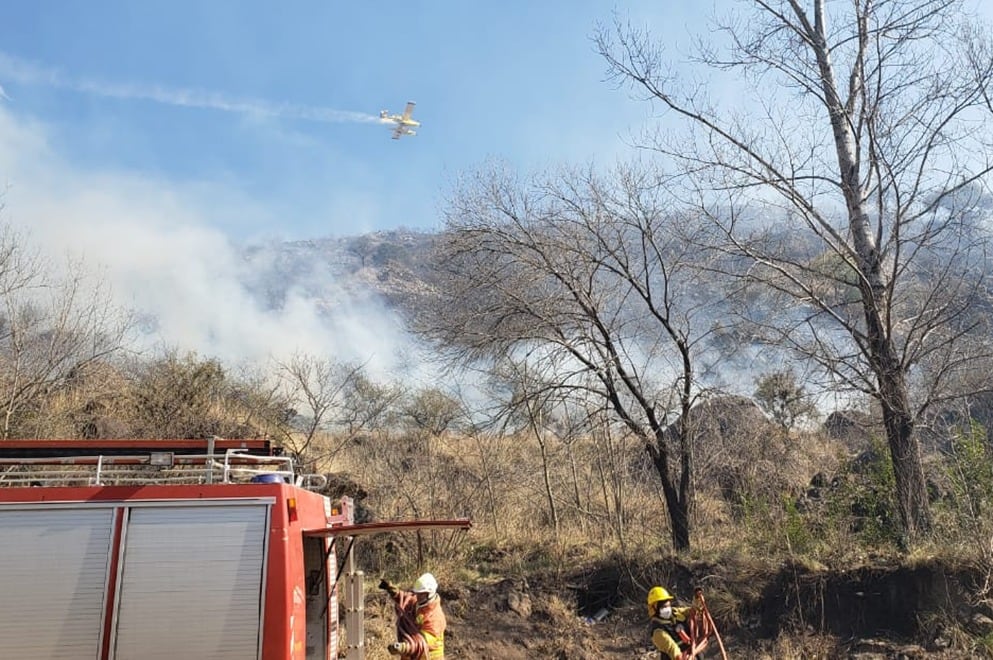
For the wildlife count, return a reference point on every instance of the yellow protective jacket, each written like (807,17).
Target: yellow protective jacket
(665,633)
(431,622)
(420,628)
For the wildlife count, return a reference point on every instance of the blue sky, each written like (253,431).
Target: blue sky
(272,106)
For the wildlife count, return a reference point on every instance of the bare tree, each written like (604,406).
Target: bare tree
(530,404)
(51,330)
(611,464)
(537,405)
(320,389)
(415,463)
(428,416)
(588,278)
(867,129)
(258,402)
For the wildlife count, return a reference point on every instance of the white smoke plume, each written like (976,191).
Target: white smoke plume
(152,241)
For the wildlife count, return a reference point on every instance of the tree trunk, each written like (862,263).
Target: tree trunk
(680,515)
(905,451)
(678,507)
(890,373)
(549,495)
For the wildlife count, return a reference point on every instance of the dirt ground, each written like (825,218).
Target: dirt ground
(512,619)
(502,622)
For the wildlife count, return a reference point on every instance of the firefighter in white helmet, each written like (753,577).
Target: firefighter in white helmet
(420,620)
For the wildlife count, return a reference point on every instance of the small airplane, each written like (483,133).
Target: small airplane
(403,122)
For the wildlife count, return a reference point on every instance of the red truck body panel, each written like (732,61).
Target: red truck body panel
(293,510)
(212,549)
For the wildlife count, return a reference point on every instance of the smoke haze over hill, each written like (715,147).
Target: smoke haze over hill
(160,247)
(157,245)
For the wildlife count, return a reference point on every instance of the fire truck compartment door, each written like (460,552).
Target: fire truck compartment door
(53,590)
(191,582)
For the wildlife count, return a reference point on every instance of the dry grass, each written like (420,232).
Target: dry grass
(579,510)
(534,515)
(803,647)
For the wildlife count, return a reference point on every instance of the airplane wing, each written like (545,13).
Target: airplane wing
(409,110)
(398,131)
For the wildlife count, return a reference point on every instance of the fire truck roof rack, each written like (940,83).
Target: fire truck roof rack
(39,448)
(143,462)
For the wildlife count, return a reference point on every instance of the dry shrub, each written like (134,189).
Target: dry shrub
(591,497)
(565,635)
(93,403)
(757,469)
(730,597)
(803,647)
(604,499)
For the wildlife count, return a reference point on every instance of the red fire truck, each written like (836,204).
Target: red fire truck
(202,549)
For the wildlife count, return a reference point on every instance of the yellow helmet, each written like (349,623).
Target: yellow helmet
(657,595)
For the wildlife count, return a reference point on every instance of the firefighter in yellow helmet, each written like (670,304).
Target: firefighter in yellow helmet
(667,622)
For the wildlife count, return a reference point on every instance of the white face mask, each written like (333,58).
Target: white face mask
(666,612)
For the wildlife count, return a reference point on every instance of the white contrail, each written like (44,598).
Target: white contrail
(28,73)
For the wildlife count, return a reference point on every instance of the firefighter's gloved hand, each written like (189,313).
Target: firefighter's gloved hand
(396,648)
(388,587)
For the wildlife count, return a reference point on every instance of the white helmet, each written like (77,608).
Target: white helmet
(426,584)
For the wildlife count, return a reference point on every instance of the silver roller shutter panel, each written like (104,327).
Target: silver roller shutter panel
(191,582)
(53,577)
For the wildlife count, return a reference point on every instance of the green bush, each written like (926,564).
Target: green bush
(970,472)
(798,533)
(865,500)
